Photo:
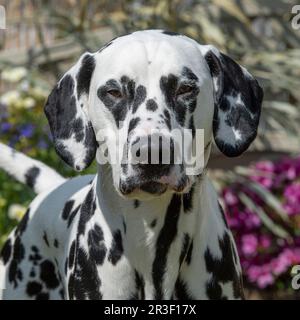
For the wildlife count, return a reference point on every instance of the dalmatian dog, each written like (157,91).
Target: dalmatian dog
(133,231)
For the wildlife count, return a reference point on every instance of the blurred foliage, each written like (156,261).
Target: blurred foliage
(23,126)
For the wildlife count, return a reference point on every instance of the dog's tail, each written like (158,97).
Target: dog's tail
(31,172)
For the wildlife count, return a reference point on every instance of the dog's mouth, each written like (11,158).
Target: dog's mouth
(155,187)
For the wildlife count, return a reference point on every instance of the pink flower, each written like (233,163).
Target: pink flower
(292,198)
(266,166)
(265,241)
(264,181)
(230,198)
(249,244)
(264,256)
(253,273)
(252,220)
(265,280)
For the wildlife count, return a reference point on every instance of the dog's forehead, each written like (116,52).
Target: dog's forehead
(151,51)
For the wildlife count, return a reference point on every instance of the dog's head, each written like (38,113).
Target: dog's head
(136,92)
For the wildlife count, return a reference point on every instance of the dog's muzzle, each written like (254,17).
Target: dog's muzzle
(152,161)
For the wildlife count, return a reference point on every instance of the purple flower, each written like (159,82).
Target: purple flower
(27,131)
(5,127)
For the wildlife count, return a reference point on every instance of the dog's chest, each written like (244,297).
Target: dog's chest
(127,257)
(163,252)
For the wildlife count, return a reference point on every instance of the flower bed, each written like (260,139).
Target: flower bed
(263,211)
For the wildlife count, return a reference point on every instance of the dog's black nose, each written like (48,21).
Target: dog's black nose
(153,154)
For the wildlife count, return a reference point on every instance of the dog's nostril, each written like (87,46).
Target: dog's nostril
(138,152)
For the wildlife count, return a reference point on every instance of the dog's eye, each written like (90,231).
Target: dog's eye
(115,93)
(184,89)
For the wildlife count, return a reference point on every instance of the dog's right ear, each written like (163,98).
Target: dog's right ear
(66,110)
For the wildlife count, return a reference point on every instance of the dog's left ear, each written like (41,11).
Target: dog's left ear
(238,98)
(66,110)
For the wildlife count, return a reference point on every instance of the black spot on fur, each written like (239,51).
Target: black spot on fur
(188,258)
(85,74)
(188,200)
(222,270)
(48,274)
(116,250)
(132,124)
(214,290)
(33,288)
(181,290)
(71,258)
(140,286)
(167,118)
(6,251)
(84,282)
(46,239)
(14,271)
(164,241)
(23,224)
(169,85)
(131,97)
(35,257)
(96,244)
(140,97)
(31,176)
(136,204)
(67,209)
(88,208)
(124,226)
(151,105)
(56,243)
(185,247)
(192,126)
(66,266)
(189,74)
(73,215)
(43,296)
(153,223)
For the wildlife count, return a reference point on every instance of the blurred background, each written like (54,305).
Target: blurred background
(260,190)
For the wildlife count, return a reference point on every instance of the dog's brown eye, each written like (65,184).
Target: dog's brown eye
(184,89)
(115,93)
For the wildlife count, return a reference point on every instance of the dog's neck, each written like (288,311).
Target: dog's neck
(155,234)
(146,225)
